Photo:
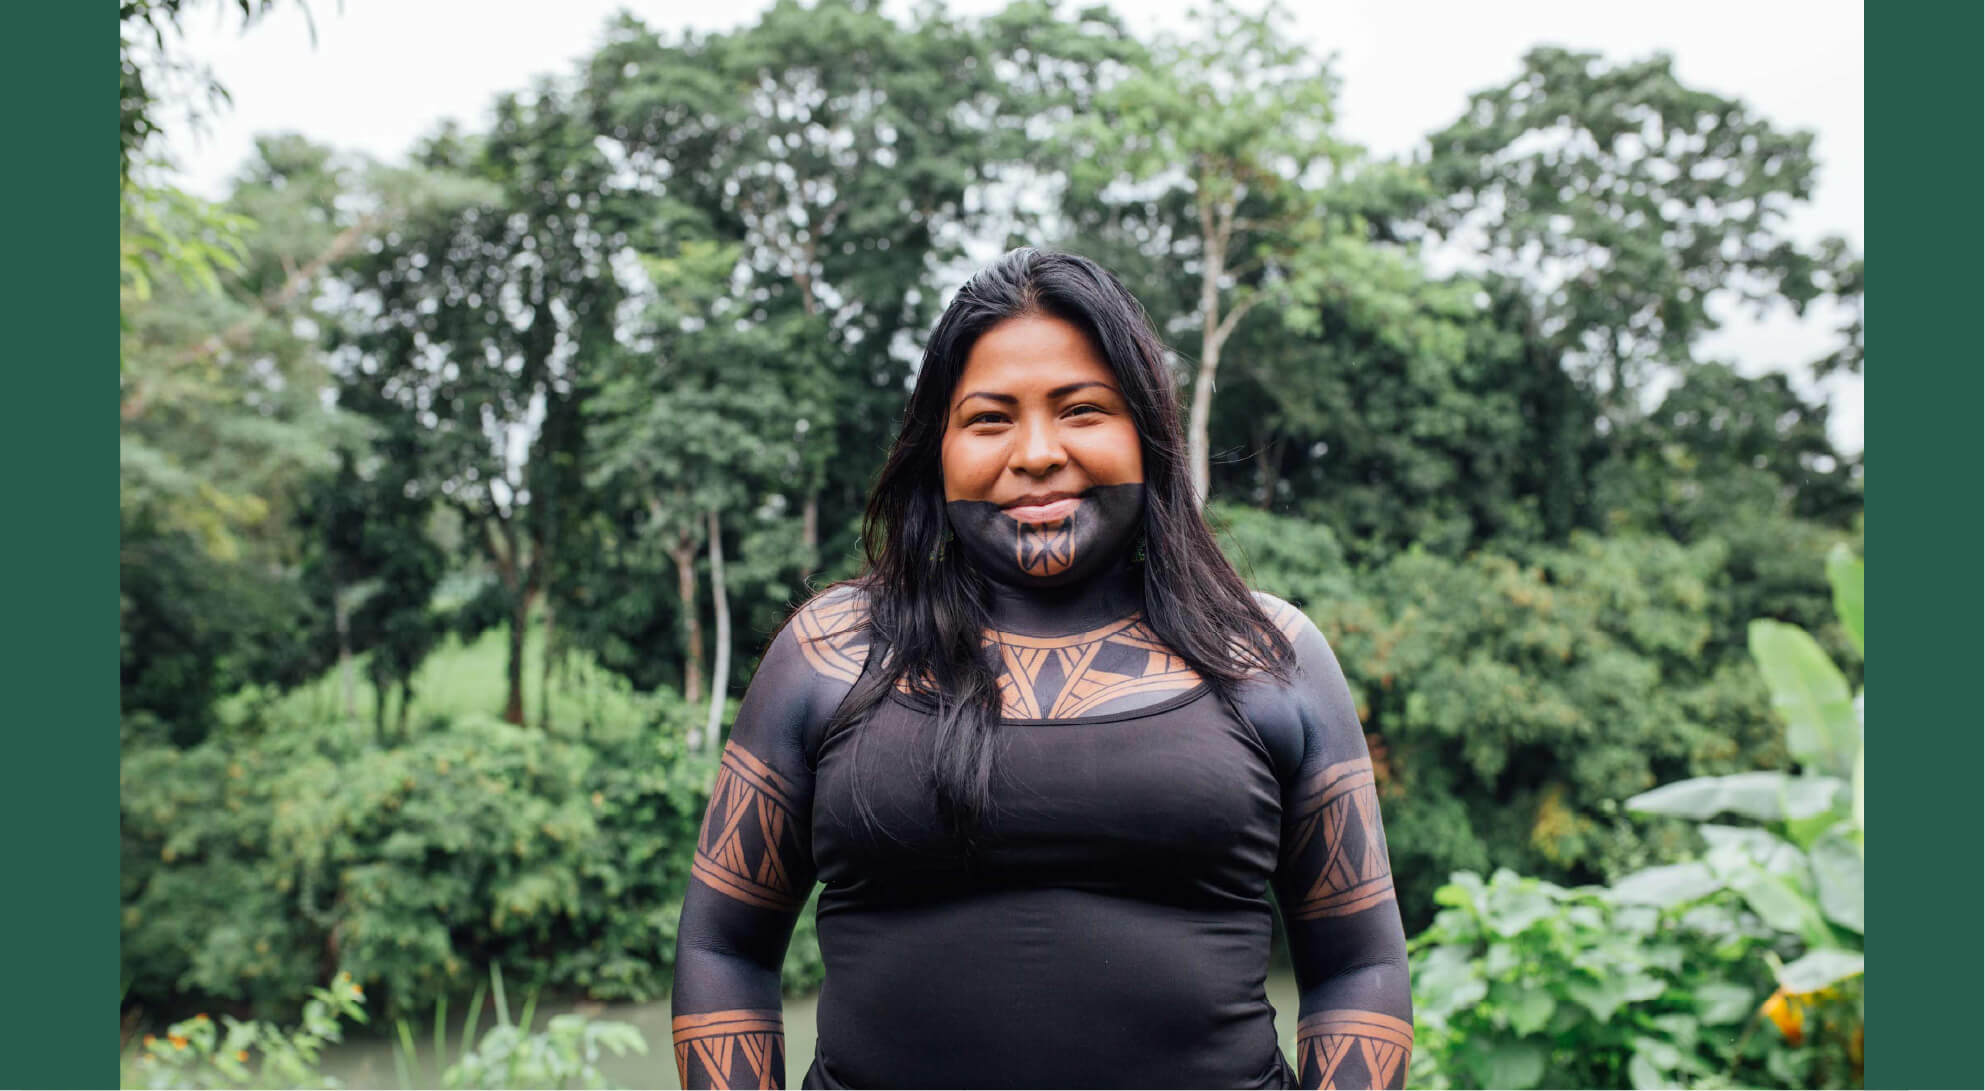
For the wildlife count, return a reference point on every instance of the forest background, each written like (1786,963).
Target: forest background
(459,492)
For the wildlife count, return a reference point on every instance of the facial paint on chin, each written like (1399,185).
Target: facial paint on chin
(1069,550)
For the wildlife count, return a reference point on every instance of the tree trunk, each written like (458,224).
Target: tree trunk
(809,534)
(684,555)
(520,612)
(544,668)
(379,689)
(406,701)
(1268,466)
(341,613)
(719,676)
(1202,411)
(1213,264)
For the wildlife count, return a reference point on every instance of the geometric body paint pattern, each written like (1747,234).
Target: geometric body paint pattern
(730,1049)
(1046,549)
(750,836)
(1352,1049)
(833,635)
(1063,677)
(1336,823)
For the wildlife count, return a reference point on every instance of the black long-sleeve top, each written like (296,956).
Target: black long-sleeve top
(1113,929)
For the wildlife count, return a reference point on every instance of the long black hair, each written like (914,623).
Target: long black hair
(928,610)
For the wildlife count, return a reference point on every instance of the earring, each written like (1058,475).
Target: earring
(937,555)
(1138,557)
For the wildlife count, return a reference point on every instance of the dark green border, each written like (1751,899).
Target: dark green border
(58,800)
(1927,735)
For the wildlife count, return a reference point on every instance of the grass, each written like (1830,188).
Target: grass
(468,679)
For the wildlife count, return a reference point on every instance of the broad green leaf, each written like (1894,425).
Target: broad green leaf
(1860,782)
(1838,871)
(1513,909)
(1678,1027)
(1531,1011)
(1645,1074)
(1601,998)
(1516,1064)
(1761,847)
(1780,904)
(1663,1054)
(1844,571)
(1818,969)
(1667,886)
(1448,980)
(1502,959)
(1720,1003)
(1809,693)
(1765,796)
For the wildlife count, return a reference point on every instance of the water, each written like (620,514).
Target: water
(369,1062)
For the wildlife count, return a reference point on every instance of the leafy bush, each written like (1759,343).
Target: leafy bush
(1511,701)
(1522,983)
(200,1053)
(1802,870)
(290,843)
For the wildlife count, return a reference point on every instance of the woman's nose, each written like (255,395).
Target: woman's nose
(1037,451)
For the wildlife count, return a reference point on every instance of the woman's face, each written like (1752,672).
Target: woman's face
(1043,473)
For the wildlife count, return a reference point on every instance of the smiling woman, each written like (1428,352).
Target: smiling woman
(1042,468)
(1051,776)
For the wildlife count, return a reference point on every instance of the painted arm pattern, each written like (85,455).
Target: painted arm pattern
(738,1048)
(1334,885)
(753,866)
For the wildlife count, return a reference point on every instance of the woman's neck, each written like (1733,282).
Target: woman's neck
(1112,594)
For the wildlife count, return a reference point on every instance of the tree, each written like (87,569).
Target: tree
(1626,203)
(1230,133)
(842,154)
(686,427)
(481,315)
(220,441)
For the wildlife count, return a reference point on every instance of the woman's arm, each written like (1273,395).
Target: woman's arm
(753,867)
(1334,879)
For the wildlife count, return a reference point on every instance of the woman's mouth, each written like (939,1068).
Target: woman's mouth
(1043,512)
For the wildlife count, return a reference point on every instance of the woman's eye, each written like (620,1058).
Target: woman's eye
(1084,410)
(986,418)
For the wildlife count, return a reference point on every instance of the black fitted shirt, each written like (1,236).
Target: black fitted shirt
(1112,928)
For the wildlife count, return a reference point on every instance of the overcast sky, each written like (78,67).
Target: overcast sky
(383,72)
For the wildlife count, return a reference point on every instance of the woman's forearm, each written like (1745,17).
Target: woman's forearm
(728,1027)
(1356,1028)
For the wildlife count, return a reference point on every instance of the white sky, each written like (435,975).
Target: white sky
(383,72)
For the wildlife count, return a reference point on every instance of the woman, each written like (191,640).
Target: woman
(1048,755)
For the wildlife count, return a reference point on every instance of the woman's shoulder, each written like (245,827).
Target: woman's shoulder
(831,632)
(1282,614)
(1293,710)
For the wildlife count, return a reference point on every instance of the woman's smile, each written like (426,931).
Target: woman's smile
(1028,511)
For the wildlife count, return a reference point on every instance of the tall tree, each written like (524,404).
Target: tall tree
(1628,203)
(481,313)
(220,442)
(687,426)
(843,154)
(1230,132)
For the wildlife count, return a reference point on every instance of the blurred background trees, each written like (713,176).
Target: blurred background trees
(460,493)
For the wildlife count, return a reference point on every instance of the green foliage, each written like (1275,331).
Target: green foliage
(1521,983)
(1631,199)
(199,1052)
(1803,872)
(565,1054)
(291,837)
